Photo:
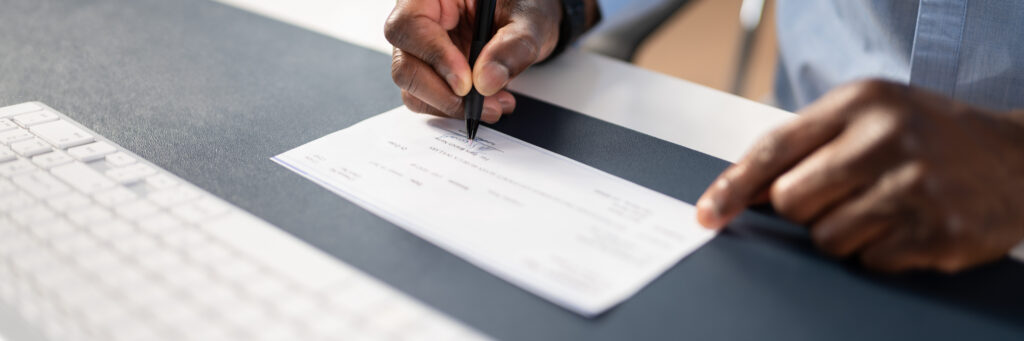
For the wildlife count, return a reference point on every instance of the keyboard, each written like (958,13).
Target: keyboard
(96,243)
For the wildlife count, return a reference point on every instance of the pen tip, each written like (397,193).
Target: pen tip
(471,126)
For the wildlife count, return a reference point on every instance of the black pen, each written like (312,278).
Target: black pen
(481,35)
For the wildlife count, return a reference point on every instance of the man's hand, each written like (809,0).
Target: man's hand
(432,38)
(904,178)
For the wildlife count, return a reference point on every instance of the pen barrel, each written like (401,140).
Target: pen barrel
(474,102)
(484,20)
(474,51)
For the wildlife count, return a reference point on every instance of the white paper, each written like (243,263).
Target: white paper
(575,235)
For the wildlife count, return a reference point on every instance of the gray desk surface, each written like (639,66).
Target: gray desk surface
(211,92)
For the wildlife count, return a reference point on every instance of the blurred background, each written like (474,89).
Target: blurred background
(703,41)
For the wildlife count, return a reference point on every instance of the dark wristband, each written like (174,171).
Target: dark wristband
(574,23)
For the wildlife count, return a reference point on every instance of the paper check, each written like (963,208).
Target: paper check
(570,233)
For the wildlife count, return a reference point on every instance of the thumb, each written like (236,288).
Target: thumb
(514,48)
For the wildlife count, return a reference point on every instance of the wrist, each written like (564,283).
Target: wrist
(577,17)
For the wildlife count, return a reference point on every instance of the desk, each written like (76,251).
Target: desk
(210,92)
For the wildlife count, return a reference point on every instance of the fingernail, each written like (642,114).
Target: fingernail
(710,206)
(492,78)
(709,213)
(490,115)
(506,104)
(457,87)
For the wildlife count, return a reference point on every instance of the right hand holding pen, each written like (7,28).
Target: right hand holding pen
(432,38)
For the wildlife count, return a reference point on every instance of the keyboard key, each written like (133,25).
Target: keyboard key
(7,124)
(15,135)
(68,201)
(160,258)
(184,238)
(33,118)
(82,177)
(82,257)
(131,173)
(33,215)
(160,224)
(329,325)
(234,268)
(134,244)
(12,168)
(133,331)
(120,159)
(208,253)
(76,244)
(217,295)
(295,306)
(6,154)
(89,214)
(40,184)
(316,272)
(161,181)
(52,159)
(6,187)
(19,109)
(111,230)
(29,148)
(92,151)
(114,196)
(62,134)
(199,211)
(54,229)
(136,209)
(173,196)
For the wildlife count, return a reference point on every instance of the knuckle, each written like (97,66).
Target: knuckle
(874,262)
(403,74)
(769,147)
(527,46)
(414,104)
(432,55)
(784,204)
(396,29)
(952,264)
(913,177)
(827,242)
(452,107)
(873,89)
(399,68)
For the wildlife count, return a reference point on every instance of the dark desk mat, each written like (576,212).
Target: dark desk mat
(210,92)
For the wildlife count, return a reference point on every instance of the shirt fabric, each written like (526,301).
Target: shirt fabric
(970,50)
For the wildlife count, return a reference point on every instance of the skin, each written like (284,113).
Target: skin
(899,177)
(432,37)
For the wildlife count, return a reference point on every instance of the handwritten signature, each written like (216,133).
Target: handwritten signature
(459,138)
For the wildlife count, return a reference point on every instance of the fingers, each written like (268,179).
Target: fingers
(494,106)
(528,38)
(853,160)
(894,254)
(774,154)
(739,185)
(420,28)
(506,101)
(418,80)
(416,105)
(849,227)
(882,225)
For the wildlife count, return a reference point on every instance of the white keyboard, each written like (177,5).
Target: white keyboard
(99,244)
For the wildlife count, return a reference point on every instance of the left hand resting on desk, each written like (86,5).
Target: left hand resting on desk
(904,178)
